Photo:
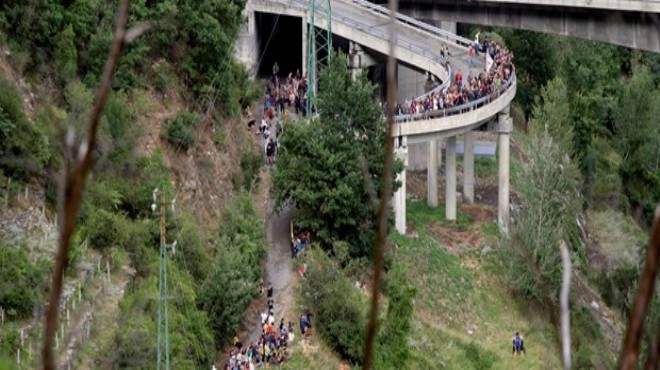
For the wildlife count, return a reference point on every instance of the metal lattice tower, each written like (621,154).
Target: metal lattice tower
(319,46)
(163,327)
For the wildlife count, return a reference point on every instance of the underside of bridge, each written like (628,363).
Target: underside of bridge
(279,39)
(636,30)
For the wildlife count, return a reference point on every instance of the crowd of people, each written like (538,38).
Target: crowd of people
(466,89)
(271,347)
(292,92)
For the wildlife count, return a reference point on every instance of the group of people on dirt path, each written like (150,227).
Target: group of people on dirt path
(271,347)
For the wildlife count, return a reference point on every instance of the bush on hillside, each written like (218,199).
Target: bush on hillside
(191,254)
(66,56)
(393,350)
(232,285)
(23,147)
(180,130)
(247,177)
(336,306)
(228,290)
(23,283)
(120,135)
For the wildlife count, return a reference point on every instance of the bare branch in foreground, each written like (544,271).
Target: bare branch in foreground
(630,353)
(563,304)
(73,183)
(381,234)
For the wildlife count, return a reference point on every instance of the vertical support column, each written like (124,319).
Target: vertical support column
(305,37)
(504,128)
(468,166)
(450,179)
(251,39)
(399,200)
(432,175)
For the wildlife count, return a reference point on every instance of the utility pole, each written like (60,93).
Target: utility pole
(319,47)
(163,328)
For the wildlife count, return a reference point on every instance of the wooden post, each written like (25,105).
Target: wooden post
(68,317)
(22,337)
(2,315)
(26,192)
(107,266)
(18,357)
(30,350)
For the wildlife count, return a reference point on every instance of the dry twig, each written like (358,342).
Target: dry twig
(385,195)
(563,303)
(73,183)
(630,353)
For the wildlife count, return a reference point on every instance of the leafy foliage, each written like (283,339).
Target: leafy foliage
(319,166)
(232,283)
(341,317)
(23,282)
(535,63)
(638,138)
(247,177)
(548,184)
(393,350)
(179,131)
(66,56)
(23,148)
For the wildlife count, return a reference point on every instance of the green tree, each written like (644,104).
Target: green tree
(337,306)
(554,112)
(320,170)
(66,56)
(22,283)
(637,136)
(535,63)
(548,184)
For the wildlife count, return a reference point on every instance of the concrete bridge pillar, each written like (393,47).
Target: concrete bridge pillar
(399,199)
(358,60)
(432,175)
(450,179)
(245,49)
(468,166)
(504,129)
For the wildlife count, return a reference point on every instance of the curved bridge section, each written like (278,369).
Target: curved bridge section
(418,45)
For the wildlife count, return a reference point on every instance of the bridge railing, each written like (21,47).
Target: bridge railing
(359,25)
(463,108)
(462,41)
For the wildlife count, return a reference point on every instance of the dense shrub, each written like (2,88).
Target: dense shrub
(247,178)
(23,283)
(66,56)
(336,305)
(120,135)
(23,148)
(393,350)
(231,286)
(180,130)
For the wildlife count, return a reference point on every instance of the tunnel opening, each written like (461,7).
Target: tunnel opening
(280,40)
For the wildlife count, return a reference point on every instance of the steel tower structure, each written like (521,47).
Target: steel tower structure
(319,46)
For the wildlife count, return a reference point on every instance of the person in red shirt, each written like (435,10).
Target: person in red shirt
(459,78)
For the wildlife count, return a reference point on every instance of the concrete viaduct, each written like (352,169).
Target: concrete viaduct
(417,45)
(630,23)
